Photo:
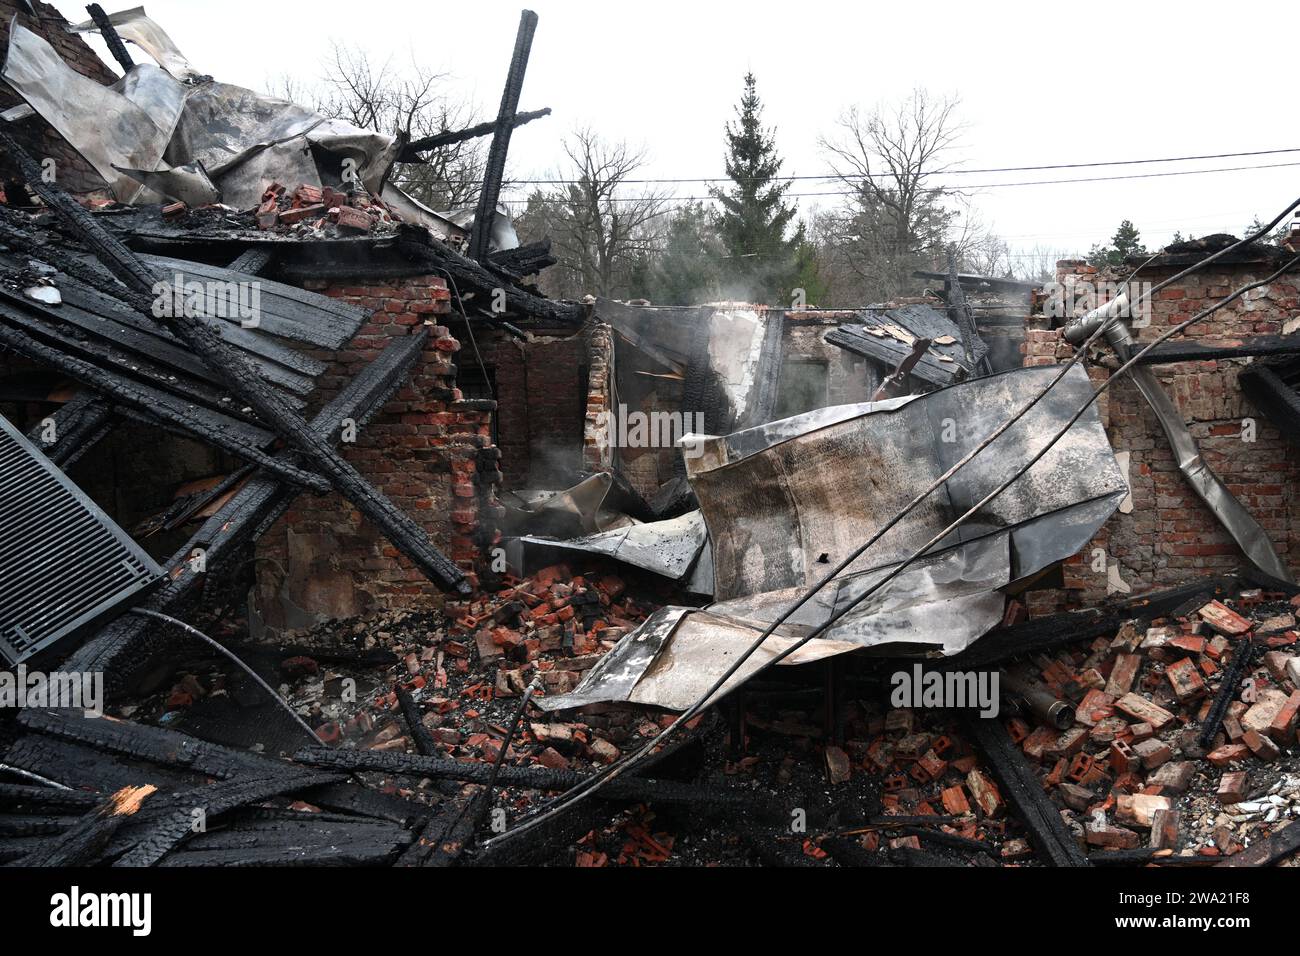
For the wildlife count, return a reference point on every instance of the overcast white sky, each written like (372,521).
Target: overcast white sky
(1039,84)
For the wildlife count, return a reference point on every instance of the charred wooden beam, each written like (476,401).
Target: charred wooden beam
(533,778)
(495,170)
(81,765)
(1271,849)
(116,651)
(156,404)
(405,534)
(960,314)
(155,745)
(525,260)
(1242,657)
(1274,395)
(77,426)
(1024,792)
(1201,352)
(446,833)
(470,278)
(169,820)
(424,742)
(20,798)
(83,843)
(411,152)
(110,35)
(253,261)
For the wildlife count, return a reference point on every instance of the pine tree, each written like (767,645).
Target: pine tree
(687,268)
(760,262)
(1126,242)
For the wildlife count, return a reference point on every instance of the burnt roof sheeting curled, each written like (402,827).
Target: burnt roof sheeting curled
(876,337)
(787,501)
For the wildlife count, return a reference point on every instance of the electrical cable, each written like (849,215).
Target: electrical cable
(225,652)
(950,172)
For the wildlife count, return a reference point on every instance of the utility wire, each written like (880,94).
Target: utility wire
(230,656)
(949,172)
(561,200)
(583,790)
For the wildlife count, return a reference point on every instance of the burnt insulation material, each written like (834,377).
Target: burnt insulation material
(64,564)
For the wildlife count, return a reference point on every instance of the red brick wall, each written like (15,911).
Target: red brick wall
(429,451)
(541,389)
(35,135)
(1170,536)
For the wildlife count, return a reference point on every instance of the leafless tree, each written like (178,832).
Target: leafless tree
(603,231)
(898,217)
(410,103)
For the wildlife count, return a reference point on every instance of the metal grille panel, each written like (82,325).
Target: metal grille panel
(63,562)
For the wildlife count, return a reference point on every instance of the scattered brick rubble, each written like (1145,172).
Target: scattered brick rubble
(1128,775)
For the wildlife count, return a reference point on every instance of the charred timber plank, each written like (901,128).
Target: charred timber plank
(307,831)
(283,310)
(1024,792)
(78,425)
(20,798)
(1272,849)
(107,355)
(30,824)
(82,843)
(341,853)
(110,36)
(485,214)
(155,745)
(1243,655)
(117,651)
(81,766)
(1274,397)
(253,261)
(1201,352)
(400,529)
(362,801)
(169,820)
(424,742)
(524,260)
(469,276)
(15,849)
(445,834)
(278,363)
(147,401)
(533,778)
(410,152)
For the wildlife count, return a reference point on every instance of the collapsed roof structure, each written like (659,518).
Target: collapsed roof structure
(851,489)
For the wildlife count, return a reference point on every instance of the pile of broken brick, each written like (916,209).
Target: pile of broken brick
(1174,747)
(307,212)
(460,670)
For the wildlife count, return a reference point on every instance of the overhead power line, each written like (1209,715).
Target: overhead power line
(852,192)
(947,172)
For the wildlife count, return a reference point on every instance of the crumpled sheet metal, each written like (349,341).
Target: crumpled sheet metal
(134,26)
(669,548)
(246,139)
(655,666)
(774,512)
(783,510)
(151,122)
(127,125)
(593,505)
